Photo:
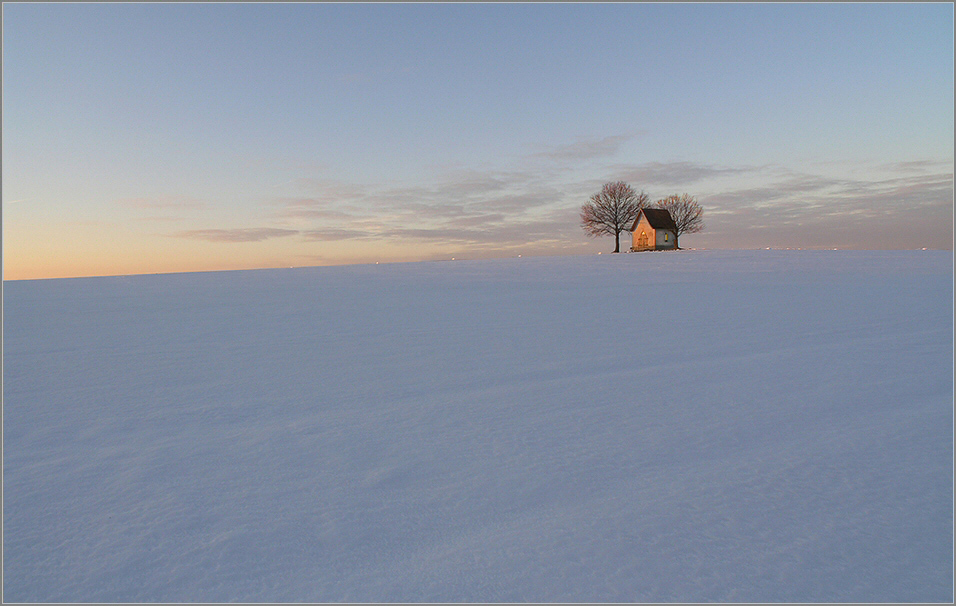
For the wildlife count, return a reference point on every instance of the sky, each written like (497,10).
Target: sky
(167,137)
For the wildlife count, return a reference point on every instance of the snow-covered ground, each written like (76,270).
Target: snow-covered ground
(690,426)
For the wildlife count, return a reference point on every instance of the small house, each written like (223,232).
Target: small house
(653,229)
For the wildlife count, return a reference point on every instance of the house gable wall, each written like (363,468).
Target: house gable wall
(644,227)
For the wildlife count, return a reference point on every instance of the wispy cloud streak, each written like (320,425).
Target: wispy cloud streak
(673,173)
(248,234)
(587,149)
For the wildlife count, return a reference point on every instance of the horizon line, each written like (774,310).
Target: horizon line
(457,258)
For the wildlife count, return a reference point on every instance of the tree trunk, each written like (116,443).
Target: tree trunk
(617,241)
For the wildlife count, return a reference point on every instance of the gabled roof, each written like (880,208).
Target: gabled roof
(659,218)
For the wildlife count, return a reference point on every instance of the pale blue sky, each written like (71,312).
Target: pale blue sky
(256,135)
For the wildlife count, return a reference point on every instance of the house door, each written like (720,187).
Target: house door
(642,240)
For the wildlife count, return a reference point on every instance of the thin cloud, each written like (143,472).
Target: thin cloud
(817,194)
(456,199)
(162,219)
(477,220)
(248,234)
(320,208)
(587,149)
(334,234)
(916,166)
(508,235)
(814,211)
(672,173)
(474,183)
(524,201)
(460,187)
(313,213)
(905,195)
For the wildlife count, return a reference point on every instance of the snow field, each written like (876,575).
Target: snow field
(690,426)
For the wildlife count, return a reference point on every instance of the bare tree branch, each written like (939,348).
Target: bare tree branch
(612,210)
(686,213)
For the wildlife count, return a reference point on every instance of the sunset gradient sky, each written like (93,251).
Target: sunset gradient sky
(143,138)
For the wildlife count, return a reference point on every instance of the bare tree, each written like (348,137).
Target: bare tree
(612,210)
(686,213)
